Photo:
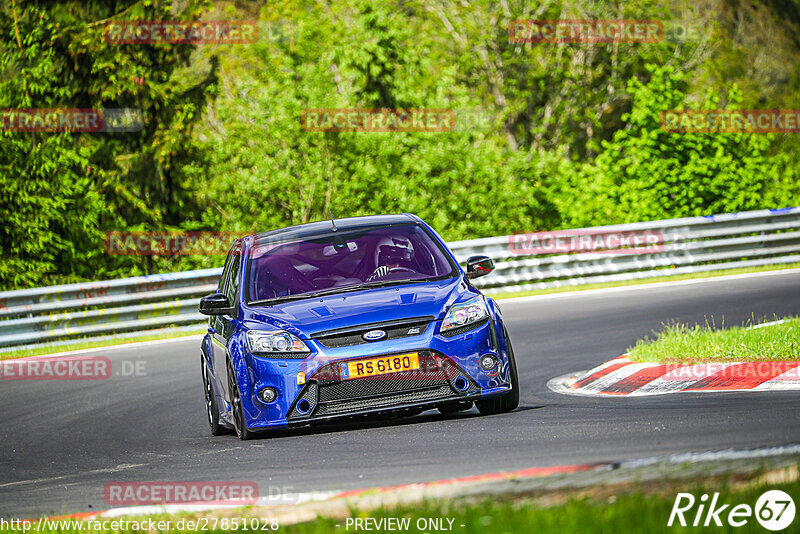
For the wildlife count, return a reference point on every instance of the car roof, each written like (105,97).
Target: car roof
(320,228)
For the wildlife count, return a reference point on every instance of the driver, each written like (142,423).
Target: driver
(391,253)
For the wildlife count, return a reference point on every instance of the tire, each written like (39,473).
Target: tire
(212,409)
(454,407)
(236,406)
(508,401)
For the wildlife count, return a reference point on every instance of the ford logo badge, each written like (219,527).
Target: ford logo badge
(374,335)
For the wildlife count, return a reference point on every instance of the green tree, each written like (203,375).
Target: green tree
(647,173)
(62,191)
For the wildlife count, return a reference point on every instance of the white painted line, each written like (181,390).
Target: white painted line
(164,509)
(273,500)
(762,325)
(728,454)
(787,381)
(609,363)
(661,386)
(136,344)
(559,384)
(674,381)
(121,467)
(696,372)
(577,292)
(614,376)
(772,385)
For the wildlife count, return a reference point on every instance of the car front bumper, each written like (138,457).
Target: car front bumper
(315,381)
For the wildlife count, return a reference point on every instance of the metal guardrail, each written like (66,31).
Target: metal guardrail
(687,245)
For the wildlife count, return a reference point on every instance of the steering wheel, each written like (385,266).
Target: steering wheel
(399,269)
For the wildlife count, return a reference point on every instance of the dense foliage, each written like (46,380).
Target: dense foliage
(561,135)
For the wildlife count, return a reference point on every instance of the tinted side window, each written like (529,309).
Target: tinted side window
(231,288)
(226,271)
(230,272)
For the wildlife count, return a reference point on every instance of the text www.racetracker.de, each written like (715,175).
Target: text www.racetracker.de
(149,525)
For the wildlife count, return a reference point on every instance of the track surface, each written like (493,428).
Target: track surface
(63,441)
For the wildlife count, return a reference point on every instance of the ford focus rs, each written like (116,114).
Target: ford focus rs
(344,318)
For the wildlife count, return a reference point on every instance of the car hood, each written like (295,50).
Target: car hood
(306,317)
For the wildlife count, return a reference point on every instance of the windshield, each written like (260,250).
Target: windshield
(344,261)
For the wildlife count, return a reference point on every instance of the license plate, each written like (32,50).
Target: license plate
(380,366)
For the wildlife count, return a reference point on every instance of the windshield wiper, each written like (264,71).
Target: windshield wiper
(386,283)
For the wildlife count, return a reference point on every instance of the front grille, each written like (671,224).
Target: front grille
(366,387)
(330,395)
(388,401)
(344,337)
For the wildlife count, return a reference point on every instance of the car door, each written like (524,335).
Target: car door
(225,325)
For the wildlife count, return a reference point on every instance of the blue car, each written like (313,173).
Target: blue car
(342,318)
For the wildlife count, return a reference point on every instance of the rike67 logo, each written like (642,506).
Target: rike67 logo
(774,510)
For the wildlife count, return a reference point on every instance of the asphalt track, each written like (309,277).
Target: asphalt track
(62,441)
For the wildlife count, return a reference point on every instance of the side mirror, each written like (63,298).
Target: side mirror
(215,304)
(478,266)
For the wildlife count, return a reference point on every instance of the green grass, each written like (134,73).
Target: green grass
(608,510)
(665,278)
(680,343)
(630,514)
(93,344)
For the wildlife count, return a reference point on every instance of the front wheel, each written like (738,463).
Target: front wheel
(236,405)
(212,410)
(508,401)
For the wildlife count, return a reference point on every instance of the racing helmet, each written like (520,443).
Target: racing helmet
(394,250)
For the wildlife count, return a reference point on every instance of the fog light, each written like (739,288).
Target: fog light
(488,361)
(461,383)
(267,395)
(303,407)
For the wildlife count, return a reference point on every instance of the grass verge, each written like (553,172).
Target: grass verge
(39,351)
(681,343)
(632,514)
(632,509)
(665,278)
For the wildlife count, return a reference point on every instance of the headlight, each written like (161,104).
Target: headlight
(464,314)
(281,341)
